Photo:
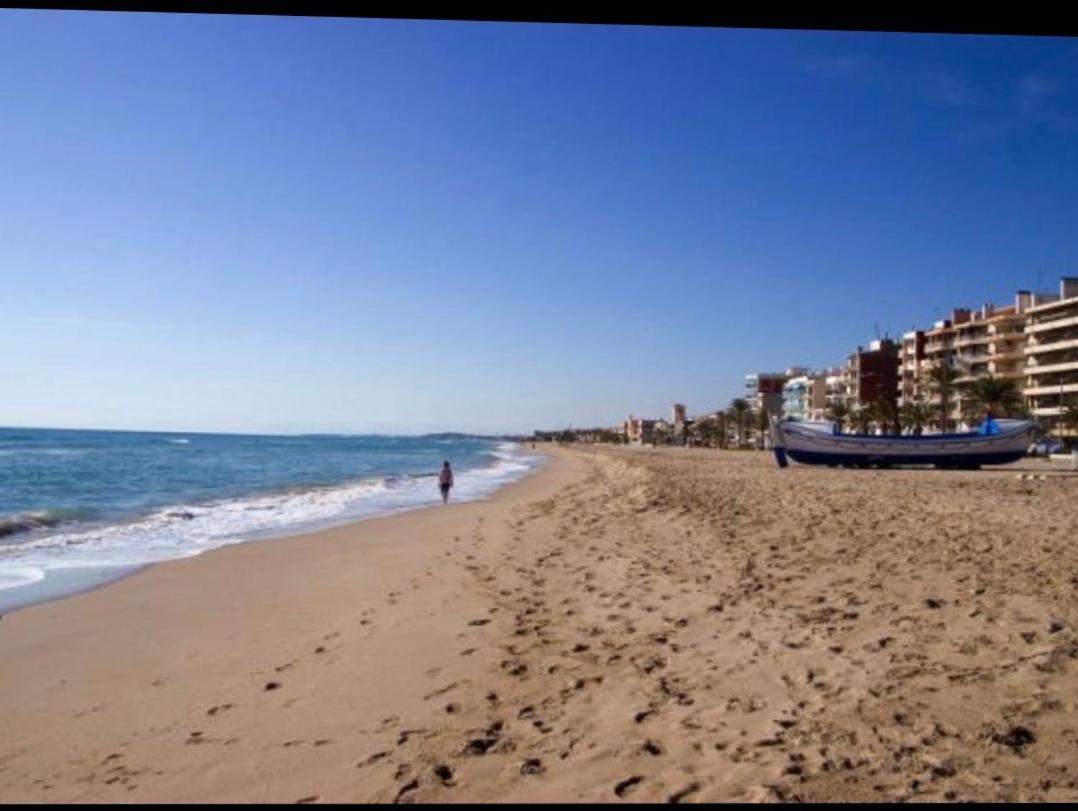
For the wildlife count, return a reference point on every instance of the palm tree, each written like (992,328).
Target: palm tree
(660,435)
(763,425)
(915,415)
(943,380)
(740,410)
(722,426)
(838,412)
(884,413)
(703,430)
(1069,416)
(1001,395)
(1022,411)
(862,418)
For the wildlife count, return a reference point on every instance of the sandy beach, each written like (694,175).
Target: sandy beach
(625,624)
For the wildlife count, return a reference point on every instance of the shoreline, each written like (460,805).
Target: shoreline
(121,644)
(62,582)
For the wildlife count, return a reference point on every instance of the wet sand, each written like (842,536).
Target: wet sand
(624,625)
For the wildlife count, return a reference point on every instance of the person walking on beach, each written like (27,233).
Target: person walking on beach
(445,481)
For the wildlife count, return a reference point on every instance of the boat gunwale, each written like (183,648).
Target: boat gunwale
(1009,432)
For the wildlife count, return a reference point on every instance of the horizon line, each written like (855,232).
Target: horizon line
(256,434)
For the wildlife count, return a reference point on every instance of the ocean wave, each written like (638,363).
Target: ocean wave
(179,441)
(38,519)
(184,530)
(34,451)
(16,576)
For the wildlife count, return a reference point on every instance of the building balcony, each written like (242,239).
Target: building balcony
(1009,374)
(1047,411)
(1007,325)
(1055,346)
(1065,364)
(1039,325)
(1008,354)
(1057,389)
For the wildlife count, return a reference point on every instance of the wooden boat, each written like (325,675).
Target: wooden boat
(997,442)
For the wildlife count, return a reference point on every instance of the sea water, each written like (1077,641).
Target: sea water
(80,508)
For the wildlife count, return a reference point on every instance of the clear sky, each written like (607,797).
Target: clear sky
(288,224)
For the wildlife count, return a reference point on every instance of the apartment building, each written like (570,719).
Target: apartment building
(763,391)
(639,431)
(1051,353)
(804,397)
(911,359)
(987,341)
(836,386)
(872,374)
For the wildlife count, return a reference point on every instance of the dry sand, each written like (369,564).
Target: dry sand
(626,624)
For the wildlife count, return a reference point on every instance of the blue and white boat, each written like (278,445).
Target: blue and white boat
(996,442)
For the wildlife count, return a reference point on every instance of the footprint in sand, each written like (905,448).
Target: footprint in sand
(627,785)
(532,766)
(412,786)
(651,748)
(372,759)
(677,797)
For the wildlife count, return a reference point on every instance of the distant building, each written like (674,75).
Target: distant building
(835,386)
(990,340)
(872,374)
(1051,354)
(804,397)
(763,391)
(681,424)
(911,358)
(1032,341)
(639,431)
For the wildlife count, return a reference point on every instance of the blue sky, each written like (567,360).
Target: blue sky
(289,224)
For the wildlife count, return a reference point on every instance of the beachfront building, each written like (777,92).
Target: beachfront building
(680,424)
(911,358)
(835,386)
(1051,354)
(763,392)
(975,343)
(872,374)
(939,351)
(1033,341)
(804,397)
(639,431)
(597,436)
(990,341)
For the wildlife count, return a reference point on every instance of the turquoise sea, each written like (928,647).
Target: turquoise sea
(78,508)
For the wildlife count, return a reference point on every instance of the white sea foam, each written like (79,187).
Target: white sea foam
(185,530)
(14,576)
(43,451)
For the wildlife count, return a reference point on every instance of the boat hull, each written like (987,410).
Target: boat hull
(817,445)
